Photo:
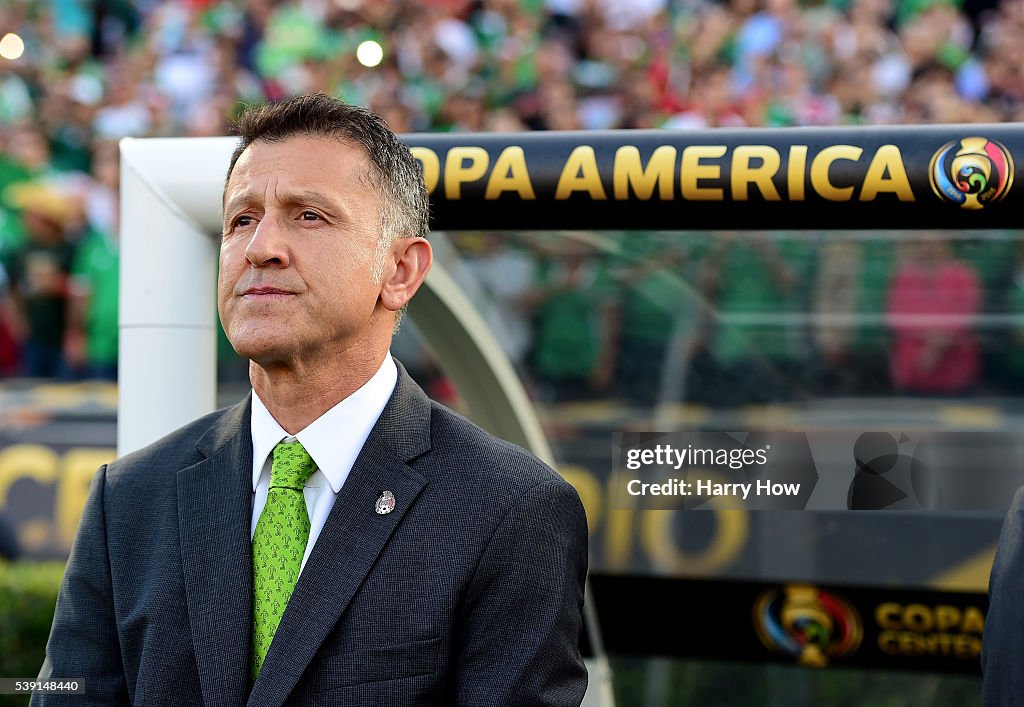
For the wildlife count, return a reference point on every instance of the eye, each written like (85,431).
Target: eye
(243,221)
(310,216)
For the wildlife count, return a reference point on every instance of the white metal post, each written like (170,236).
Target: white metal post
(170,196)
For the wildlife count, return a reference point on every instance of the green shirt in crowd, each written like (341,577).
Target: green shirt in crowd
(94,271)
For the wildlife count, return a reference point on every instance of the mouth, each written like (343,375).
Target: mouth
(266,293)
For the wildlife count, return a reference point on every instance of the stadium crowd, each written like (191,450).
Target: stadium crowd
(579,319)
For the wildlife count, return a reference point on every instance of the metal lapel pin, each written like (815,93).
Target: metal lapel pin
(386,503)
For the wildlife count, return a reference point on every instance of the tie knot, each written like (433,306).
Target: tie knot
(291,467)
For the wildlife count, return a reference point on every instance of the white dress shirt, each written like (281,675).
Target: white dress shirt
(333,440)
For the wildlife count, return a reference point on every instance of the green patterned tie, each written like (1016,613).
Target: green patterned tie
(278,544)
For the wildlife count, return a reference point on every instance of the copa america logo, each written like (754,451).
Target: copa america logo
(812,625)
(972,172)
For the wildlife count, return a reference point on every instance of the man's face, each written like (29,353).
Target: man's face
(301,236)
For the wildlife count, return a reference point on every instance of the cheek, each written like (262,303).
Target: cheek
(225,284)
(232,257)
(227,277)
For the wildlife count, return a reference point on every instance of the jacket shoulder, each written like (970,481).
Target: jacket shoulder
(174,451)
(478,454)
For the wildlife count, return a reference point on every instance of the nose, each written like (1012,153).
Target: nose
(268,245)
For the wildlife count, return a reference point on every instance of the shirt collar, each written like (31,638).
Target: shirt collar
(335,438)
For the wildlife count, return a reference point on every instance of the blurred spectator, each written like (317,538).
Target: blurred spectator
(27,155)
(575,326)
(713,105)
(9,357)
(932,301)
(662,306)
(849,301)
(834,300)
(503,277)
(90,346)
(758,360)
(40,272)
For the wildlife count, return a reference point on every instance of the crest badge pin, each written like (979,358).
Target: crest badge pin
(386,503)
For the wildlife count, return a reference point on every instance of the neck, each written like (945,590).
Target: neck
(298,395)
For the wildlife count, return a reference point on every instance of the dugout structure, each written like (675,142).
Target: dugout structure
(954,176)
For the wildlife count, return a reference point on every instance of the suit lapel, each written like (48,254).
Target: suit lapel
(351,540)
(214,516)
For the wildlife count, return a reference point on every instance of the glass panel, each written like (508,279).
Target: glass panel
(911,335)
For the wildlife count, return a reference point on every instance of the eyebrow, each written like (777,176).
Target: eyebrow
(312,198)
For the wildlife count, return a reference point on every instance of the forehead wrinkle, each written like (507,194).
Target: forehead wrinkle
(248,197)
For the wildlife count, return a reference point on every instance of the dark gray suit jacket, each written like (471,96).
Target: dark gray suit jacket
(1002,648)
(469,593)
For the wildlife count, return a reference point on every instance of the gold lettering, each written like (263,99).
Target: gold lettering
(431,166)
(731,531)
(457,172)
(917,617)
(946,617)
(79,466)
(628,171)
(580,174)
(820,165)
(944,644)
(967,646)
(888,616)
(761,176)
(797,165)
(910,643)
(619,532)
(510,174)
(974,620)
(589,490)
(26,461)
(887,160)
(692,171)
(888,642)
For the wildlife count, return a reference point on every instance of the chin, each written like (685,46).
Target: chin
(261,350)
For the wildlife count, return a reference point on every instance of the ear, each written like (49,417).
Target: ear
(406,267)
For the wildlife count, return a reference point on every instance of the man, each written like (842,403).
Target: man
(436,565)
(1003,643)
